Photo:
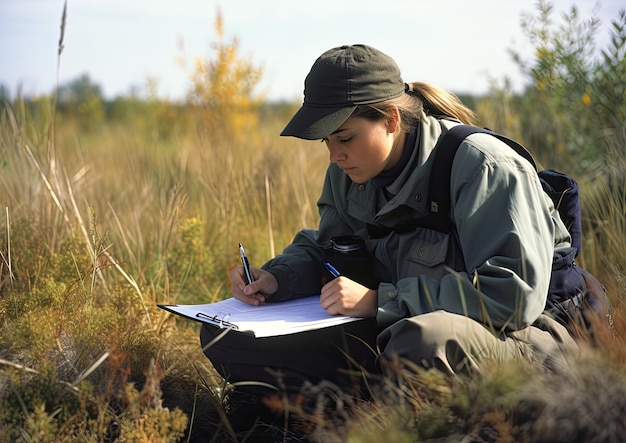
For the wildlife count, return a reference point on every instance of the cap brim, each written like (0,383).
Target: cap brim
(315,122)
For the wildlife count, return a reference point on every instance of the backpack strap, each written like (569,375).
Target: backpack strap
(439,217)
(439,185)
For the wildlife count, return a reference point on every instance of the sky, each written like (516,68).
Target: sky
(460,45)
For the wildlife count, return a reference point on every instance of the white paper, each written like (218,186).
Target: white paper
(266,320)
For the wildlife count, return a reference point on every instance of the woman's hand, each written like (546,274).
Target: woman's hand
(347,297)
(263,286)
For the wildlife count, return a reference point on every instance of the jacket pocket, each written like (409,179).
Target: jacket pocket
(428,256)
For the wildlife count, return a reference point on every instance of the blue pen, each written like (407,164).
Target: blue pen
(332,269)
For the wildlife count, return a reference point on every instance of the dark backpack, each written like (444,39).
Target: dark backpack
(575,296)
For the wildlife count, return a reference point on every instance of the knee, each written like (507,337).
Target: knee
(427,341)
(409,340)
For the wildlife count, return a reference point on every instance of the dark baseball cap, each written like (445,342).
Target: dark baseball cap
(340,79)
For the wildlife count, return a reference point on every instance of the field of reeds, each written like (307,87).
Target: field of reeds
(109,208)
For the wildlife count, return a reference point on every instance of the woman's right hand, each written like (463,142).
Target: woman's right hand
(257,292)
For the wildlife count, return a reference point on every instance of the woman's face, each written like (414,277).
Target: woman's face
(363,148)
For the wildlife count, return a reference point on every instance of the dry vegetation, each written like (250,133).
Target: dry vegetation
(112,208)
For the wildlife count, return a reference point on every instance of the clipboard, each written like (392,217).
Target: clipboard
(266,320)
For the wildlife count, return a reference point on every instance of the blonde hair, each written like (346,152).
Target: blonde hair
(442,102)
(419,97)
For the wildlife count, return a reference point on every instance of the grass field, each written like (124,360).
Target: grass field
(101,225)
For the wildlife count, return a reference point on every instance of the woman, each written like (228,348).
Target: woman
(448,301)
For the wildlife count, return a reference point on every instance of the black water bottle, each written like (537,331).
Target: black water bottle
(351,258)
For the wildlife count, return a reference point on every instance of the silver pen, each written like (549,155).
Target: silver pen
(246,265)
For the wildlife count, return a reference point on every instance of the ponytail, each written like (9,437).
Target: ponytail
(420,97)
(438,101)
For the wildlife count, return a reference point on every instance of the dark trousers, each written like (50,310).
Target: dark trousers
(338,354)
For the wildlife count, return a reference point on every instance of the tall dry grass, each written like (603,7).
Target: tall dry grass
(112,221)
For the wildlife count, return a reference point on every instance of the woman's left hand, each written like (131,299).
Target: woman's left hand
(347,297)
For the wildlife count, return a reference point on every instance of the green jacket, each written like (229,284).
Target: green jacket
(495,267)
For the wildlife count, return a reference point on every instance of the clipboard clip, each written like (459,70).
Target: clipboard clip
(218,320)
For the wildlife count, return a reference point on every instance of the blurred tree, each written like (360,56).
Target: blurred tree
(79,90)
(5,95)
(553,109)
(222,88)
(607,99)
(82,99)
(572,113)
